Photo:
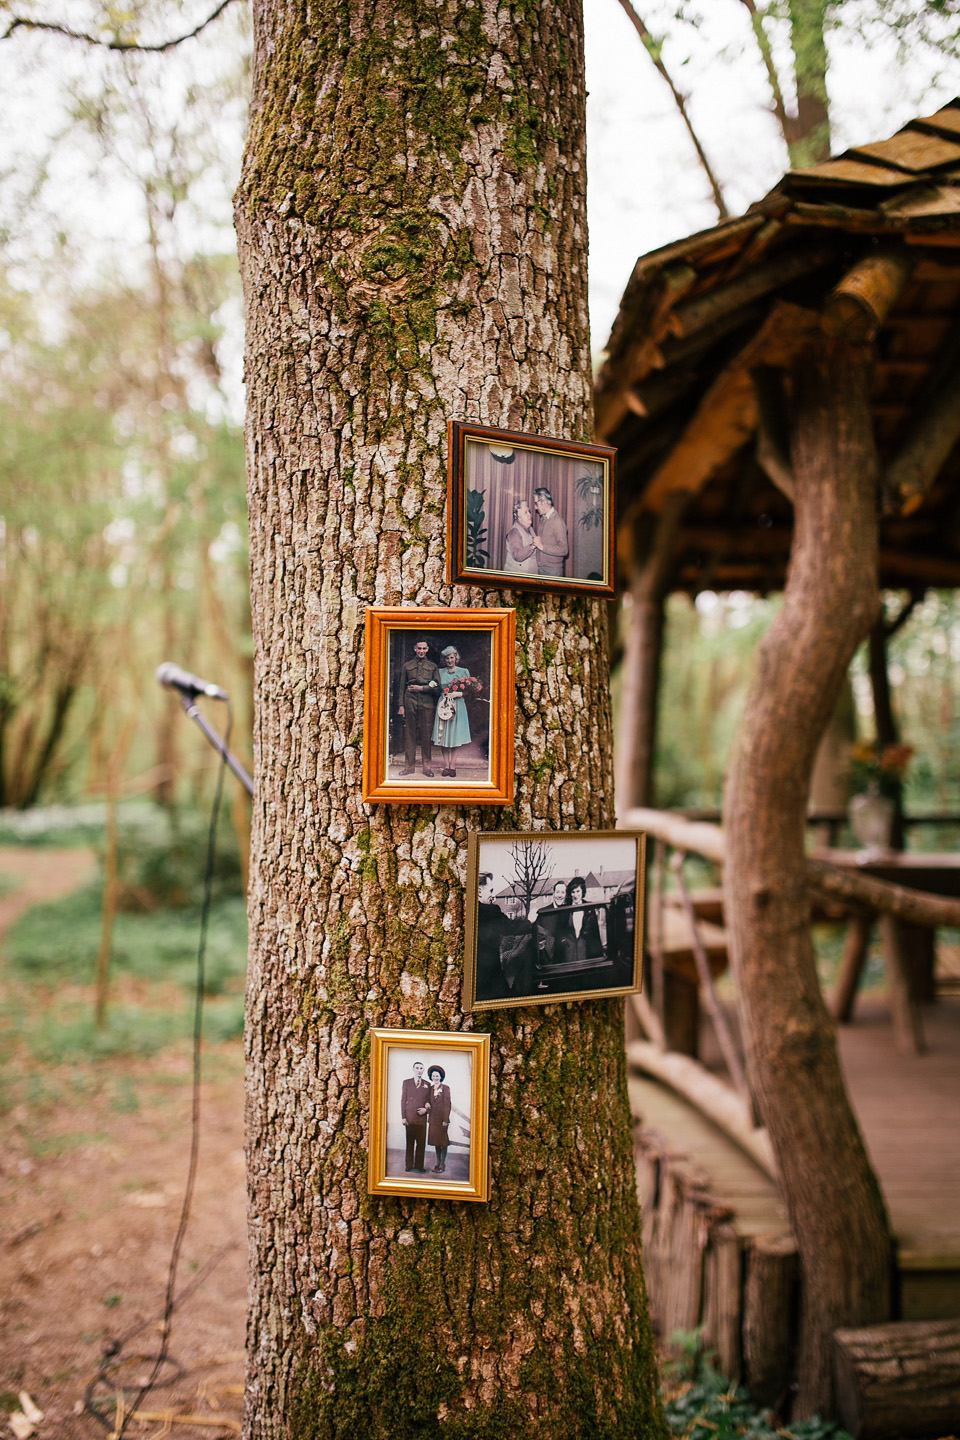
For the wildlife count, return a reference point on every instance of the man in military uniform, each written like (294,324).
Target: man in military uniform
(419,690)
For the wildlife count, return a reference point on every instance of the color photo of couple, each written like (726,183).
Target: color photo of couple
(535,514)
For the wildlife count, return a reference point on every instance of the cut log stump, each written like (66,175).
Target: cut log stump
(901,1380)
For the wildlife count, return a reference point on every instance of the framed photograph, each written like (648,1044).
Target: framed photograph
(429,1112)
(553,916)
(525,512)
(438,705)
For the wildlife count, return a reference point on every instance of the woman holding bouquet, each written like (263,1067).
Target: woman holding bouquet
(451,727)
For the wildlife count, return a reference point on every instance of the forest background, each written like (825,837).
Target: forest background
(123,538)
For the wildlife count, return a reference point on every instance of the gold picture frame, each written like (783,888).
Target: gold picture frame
(423,664)
(529,944)
(455,1109)
(563,541)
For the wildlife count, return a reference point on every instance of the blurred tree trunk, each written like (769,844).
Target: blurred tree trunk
(413,240)
(831,599)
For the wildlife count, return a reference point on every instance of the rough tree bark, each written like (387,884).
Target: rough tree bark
(830,600)
(413,244)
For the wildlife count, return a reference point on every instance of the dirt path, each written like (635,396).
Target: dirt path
(92,1171)
(39,874)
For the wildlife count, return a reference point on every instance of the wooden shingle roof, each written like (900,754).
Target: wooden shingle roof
(701,319)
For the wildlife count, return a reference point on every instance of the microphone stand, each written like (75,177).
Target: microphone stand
(189,704)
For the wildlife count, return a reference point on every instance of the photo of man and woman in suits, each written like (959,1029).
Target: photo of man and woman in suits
(428,1119)
(553,915)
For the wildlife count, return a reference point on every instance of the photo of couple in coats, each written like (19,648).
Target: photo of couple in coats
(555,916)
(439,687)
(427,1133)
(544,515)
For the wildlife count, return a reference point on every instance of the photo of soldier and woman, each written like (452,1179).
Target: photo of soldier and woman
(428,1113)
(553,916)
(439,691)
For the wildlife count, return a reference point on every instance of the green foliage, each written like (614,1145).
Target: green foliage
(707,662)
(925,681)
(55,825)
(161,859)
(702,1405)
(123,502)
(57,942)
(477,554)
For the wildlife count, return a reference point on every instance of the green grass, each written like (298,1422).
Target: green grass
(50,1045)
(57,943)
(57,824)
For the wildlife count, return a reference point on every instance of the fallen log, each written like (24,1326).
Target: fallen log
(899,1381)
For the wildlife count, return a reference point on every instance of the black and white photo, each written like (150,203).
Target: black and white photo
(428,1113)
(553,916)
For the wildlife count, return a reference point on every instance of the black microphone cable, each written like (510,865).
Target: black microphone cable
(111,1351)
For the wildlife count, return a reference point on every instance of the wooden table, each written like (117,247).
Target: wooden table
(909,950)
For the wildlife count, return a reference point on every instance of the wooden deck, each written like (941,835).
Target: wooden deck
(908,1107)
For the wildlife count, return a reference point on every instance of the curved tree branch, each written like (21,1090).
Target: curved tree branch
(652,49)
(21,22)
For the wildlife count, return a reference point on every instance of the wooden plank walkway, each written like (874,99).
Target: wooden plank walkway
(908,1107)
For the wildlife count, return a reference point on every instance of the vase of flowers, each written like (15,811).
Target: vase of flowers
(875,774)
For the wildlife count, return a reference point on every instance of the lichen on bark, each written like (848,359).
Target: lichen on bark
(413,243)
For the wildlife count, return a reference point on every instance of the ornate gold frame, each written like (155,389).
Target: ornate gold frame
(380,622)
(459,573)
(475,843)
(430,1044)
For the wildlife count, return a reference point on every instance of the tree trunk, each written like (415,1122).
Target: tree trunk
(413,244)
(830,600)
(808,134)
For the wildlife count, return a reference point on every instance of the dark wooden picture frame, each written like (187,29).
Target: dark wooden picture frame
(475,691)
(446,1119)
(562,543)
(529,944)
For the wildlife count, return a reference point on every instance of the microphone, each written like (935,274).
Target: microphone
(190,685)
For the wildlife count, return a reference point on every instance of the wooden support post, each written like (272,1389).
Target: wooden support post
(722,1298)
(855,948)
(919,944)
(899,1380)
(681,1014)
(905,1014)
(640,672)
(770,1282)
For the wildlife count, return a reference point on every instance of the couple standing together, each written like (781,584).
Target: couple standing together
(425,1111)
(433,712)
(540,552)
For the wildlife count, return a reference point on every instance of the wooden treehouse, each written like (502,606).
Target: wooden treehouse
(696,393)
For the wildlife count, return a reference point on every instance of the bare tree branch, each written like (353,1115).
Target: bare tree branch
(531,865)
(21,22)
(779,106)
(652,49)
